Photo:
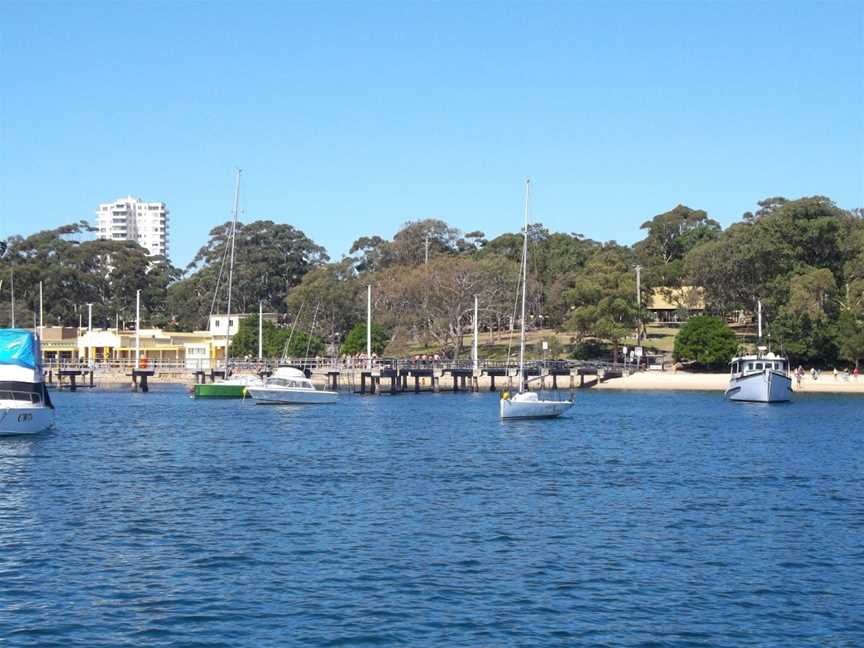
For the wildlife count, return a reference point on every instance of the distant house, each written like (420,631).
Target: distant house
(676,304)
(218,324)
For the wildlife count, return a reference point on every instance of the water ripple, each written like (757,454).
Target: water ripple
(640,520)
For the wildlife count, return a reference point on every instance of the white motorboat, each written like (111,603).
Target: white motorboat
(25,406)
(760,378)
(527,404)
(290,386)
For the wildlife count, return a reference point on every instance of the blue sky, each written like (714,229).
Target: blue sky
(349,119)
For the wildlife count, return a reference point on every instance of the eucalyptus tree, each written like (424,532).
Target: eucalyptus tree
(269,259)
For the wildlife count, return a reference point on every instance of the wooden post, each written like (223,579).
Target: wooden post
(362,382)
(416,384)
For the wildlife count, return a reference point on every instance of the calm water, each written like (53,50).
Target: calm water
(647,519)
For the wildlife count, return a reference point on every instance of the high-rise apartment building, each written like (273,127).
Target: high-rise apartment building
(131,219)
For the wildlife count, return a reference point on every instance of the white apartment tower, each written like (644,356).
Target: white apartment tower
(131,219)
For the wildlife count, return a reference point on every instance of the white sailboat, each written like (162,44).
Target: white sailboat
(527,404)
(760,378)
(25,406)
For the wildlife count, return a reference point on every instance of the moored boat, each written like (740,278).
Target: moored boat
(231,388)
(760,378)
(25,406)
(526,404)
(290,386)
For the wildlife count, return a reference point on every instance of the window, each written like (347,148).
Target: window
(215,323)
(758,366)
(749,366)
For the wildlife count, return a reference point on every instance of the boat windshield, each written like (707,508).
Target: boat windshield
(286,382)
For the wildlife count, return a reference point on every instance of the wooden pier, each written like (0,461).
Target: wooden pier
(410,377)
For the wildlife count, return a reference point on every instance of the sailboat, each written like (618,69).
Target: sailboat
(229,387)
(526,404)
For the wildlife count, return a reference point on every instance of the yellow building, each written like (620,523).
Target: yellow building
(674,304)
(196,349)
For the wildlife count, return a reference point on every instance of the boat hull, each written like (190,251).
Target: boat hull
(270,396)
(763,387)
(17,420)
(515,409)
(219,390)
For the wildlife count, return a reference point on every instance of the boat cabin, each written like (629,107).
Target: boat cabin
(758,363)
(291,378)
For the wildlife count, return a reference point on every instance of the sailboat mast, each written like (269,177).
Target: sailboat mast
(524,280)
(231,267)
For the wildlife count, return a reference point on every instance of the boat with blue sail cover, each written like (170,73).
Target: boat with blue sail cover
(25,406)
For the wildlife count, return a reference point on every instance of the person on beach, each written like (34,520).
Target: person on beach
(855,373)
(813,374)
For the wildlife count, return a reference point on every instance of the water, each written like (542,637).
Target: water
(643,519)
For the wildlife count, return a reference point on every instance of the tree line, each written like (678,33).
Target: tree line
(803,259)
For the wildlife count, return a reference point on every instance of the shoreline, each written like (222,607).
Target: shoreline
(641,381)
(684,381)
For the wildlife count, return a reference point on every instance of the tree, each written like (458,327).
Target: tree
(245,340)
(674,233)
(331,295)
(270,259)
(370,254)
(434,302)
(75,273)
(707,341)
(850,337)
(355,341)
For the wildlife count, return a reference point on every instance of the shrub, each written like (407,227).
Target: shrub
(355,341)
(707,341)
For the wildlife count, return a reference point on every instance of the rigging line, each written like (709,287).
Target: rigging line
(284,359)
(515,308)
(219,277)
(309,335)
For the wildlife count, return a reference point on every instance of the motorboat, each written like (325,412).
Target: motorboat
(25,406)
(290,386)
(230,388)
(760,378)
(526,404)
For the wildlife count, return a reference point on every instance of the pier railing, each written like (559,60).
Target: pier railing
(334,364)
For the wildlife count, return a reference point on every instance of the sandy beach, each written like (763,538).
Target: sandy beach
(682,380)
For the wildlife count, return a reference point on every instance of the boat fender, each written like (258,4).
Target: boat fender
(505,395)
